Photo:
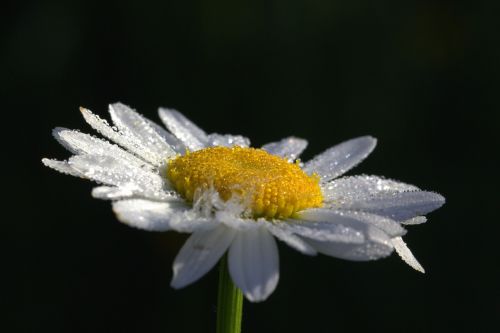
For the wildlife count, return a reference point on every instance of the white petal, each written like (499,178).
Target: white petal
(230,219)
(110,171)
(155,216)
(199,254)
(415,220)
(62,167)
(173,142)
(332,231)
(377,245)
(399,206)
(289,148)
(352,220)
(405,254)
(130,192)
(112,193)
(289,238)
(254,263)
(126,141)
(191,135)
(227,140)
(339,159)
(132,124)
(80,143)
(387,225)
(359,188)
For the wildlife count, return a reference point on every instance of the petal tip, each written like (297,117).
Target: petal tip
(373,141)
(58,132)
(264,293)
(255,299)
(441,199)
(116,207)
(176,284)
(437,199)
(119,107)
(368,139)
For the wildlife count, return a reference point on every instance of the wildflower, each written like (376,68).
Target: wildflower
(238,199)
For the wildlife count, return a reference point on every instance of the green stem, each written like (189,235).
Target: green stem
(229,302)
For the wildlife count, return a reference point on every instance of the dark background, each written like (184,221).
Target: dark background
(421,76)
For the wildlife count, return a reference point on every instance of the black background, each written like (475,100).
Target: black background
(421,76)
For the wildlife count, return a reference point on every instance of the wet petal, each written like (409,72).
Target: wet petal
(112,192)
(286,236)
(414,221)
(199,254)
(289,148)
(339,159)
(254,263)
(130,192)
(174,143)
(62,167)
(152,215)
(405,254)
(376,246)
(227,140)
(399,206)
(132,124)
(333,231)
(129,142)
(353,220)
(359,188)
(191,135)
(110,171)
(81,143)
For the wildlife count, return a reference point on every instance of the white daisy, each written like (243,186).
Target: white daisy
(238,199)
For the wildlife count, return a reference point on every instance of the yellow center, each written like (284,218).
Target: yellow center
(267,185)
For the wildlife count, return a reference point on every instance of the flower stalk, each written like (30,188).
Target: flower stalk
(229,302)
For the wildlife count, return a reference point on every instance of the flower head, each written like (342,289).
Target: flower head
(239,199)
(266,185)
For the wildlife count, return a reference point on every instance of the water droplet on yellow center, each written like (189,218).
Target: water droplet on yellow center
(269,186)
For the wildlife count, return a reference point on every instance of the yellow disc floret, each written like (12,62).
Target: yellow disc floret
(267,185)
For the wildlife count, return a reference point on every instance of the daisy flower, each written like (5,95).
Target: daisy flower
(237,199)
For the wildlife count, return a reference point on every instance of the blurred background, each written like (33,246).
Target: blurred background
(421,76)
